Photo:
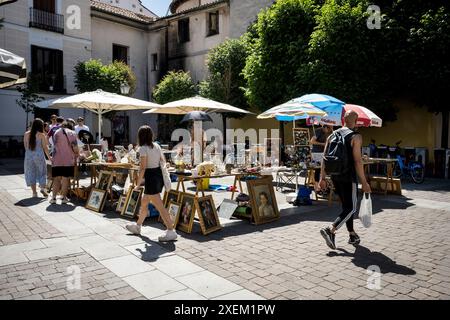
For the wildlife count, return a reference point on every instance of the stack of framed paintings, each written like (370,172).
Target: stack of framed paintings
(183,207)
(97,198)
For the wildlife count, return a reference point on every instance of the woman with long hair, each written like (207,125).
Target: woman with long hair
(151,157)
(65,155)
(35,166)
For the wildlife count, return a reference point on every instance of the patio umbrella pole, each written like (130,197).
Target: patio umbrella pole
(99,125)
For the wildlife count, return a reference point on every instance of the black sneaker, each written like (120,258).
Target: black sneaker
(354,239)
(329,237)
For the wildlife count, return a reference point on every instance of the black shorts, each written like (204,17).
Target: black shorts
(154,181)
(65,172)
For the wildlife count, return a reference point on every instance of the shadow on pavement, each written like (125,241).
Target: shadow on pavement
(61,208)
(364,258)
(29,202)
(153,248)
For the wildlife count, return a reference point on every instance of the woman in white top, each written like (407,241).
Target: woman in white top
(150,156)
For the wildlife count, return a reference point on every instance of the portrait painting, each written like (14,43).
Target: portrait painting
(207,213)
(264,204)
(187,212)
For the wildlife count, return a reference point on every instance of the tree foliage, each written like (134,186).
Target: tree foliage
(176,85)
(226,82)
(93,74)
(29,95)
(305,46)
(279,42)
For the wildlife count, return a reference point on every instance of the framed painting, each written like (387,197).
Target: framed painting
(187,212)
(132,202)
(174,212)
(96,200)
(301,137)
(263,201)
(172,195)
(207,214)
(121,203)
(104,180)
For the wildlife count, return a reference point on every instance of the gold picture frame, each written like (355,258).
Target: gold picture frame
(96,200)
(187,212)
(207,214)
(121,203)
(172,195)
(104,180)
(263,201)
(132,202)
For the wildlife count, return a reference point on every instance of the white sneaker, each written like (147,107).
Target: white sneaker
(133,228)
(52,201)
(65,201)
(170,235)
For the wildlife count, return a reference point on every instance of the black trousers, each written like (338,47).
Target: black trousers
(347,192)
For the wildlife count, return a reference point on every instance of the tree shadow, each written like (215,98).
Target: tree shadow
(29,202)
(364,258)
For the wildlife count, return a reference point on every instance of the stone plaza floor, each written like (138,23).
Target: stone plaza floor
(45,249)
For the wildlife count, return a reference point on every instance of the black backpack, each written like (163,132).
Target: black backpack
(336,156)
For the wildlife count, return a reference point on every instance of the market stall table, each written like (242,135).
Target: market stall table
(238,177)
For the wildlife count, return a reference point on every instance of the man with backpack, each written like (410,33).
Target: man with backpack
(343,162)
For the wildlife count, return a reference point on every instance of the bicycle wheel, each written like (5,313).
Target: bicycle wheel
(417,172)
(396,171)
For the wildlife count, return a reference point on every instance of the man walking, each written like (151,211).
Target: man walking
(343,161)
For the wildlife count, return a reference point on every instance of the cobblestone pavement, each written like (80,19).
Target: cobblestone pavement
(47,279)
(19,224)
(409,242)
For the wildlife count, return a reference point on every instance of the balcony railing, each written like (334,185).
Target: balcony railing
(46,20)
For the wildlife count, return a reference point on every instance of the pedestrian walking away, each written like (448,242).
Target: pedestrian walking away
(343,162)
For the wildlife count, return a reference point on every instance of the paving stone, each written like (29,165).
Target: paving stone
(153,284)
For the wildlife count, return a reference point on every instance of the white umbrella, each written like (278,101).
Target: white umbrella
(99,102)
(13,69)
(2,2)
(197,103)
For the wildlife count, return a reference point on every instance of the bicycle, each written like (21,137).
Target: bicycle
(414,169)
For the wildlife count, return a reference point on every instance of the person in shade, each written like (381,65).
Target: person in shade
(36,148)
(150,173)
(346,184)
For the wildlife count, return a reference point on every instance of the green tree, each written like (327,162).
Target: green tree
(29,96)
(226,82)
(348,60)
(278,49)
(93,74)
(176,85)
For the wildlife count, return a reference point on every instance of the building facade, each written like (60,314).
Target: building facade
(53,35)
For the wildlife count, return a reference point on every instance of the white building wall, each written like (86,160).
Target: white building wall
(243,13)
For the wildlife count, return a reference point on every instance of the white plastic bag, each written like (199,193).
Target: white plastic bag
(365,210)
